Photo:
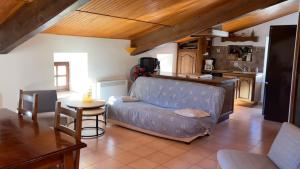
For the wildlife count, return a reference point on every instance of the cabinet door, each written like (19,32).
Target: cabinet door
(186,62)
(245,88)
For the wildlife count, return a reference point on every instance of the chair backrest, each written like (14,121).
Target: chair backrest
(76,115)
(33,100)
(285,150)
(47,100)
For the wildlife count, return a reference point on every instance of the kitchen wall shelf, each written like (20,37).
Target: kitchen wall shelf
(240,38)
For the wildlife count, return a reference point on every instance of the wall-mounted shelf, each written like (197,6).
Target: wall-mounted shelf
(240,38)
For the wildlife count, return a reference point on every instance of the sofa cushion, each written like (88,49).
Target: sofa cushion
(177,94)
(233,159)
(129,99)
(196,113)
(285,150)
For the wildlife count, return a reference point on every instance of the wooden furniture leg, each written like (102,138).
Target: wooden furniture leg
(68,160)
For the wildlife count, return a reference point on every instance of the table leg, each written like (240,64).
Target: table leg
(97,125)
(105,114)
(68,160)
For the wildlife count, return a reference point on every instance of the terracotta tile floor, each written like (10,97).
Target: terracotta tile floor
(121,148)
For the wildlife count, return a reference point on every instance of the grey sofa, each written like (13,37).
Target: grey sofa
(284,153)
(159,98)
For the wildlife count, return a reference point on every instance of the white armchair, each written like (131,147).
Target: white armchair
(284,153)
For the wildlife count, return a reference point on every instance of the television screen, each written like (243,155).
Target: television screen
(148,63)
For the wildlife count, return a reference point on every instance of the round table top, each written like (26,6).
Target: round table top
(85,105)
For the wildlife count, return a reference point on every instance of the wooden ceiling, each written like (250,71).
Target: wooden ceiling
(127,19)
(255,18)
(261,16)
(8,8)
(144,21)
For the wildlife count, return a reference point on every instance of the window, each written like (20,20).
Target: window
(61,76)
(166,62)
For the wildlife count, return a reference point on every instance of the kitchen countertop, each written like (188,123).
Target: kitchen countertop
(235,73)
(193,78)
(243,74)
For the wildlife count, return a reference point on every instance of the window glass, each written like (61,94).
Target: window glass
(61,81)
(61,70)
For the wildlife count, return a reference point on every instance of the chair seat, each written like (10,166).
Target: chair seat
(233,159)
(48,117)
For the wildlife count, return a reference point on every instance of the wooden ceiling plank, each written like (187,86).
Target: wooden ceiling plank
(95,13)
(220,14)
(261,16)
(33,18)
(87,25)
(156,11)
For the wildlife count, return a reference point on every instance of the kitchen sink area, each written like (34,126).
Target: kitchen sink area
(247,87)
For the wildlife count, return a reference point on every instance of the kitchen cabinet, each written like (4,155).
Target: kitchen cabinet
(191,54)
(186,61)
(247,87)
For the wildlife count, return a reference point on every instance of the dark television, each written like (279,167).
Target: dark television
(149,64)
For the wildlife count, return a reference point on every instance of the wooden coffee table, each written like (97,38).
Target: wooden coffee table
(91,109)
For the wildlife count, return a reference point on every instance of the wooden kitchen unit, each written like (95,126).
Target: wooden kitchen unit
(191,55)
(247,88)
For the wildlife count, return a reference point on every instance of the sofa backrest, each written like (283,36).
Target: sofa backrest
(177,94)
(285,150)
(46,100)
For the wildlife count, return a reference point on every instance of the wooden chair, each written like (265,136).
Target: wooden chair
(42,108)
(76,133)
(33,99)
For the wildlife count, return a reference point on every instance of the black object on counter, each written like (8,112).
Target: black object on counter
(149,64)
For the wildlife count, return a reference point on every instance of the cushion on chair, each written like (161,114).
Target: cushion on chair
(285,150)
(233,159)
(46,100)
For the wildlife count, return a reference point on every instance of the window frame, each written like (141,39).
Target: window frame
(56,76)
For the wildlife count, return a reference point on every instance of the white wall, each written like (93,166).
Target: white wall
(168,48)
(262,31)
(30,65)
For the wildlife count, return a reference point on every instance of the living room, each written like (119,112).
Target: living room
(177,118)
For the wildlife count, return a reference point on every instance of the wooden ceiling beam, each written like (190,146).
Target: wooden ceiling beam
(220,14)
(32,18)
